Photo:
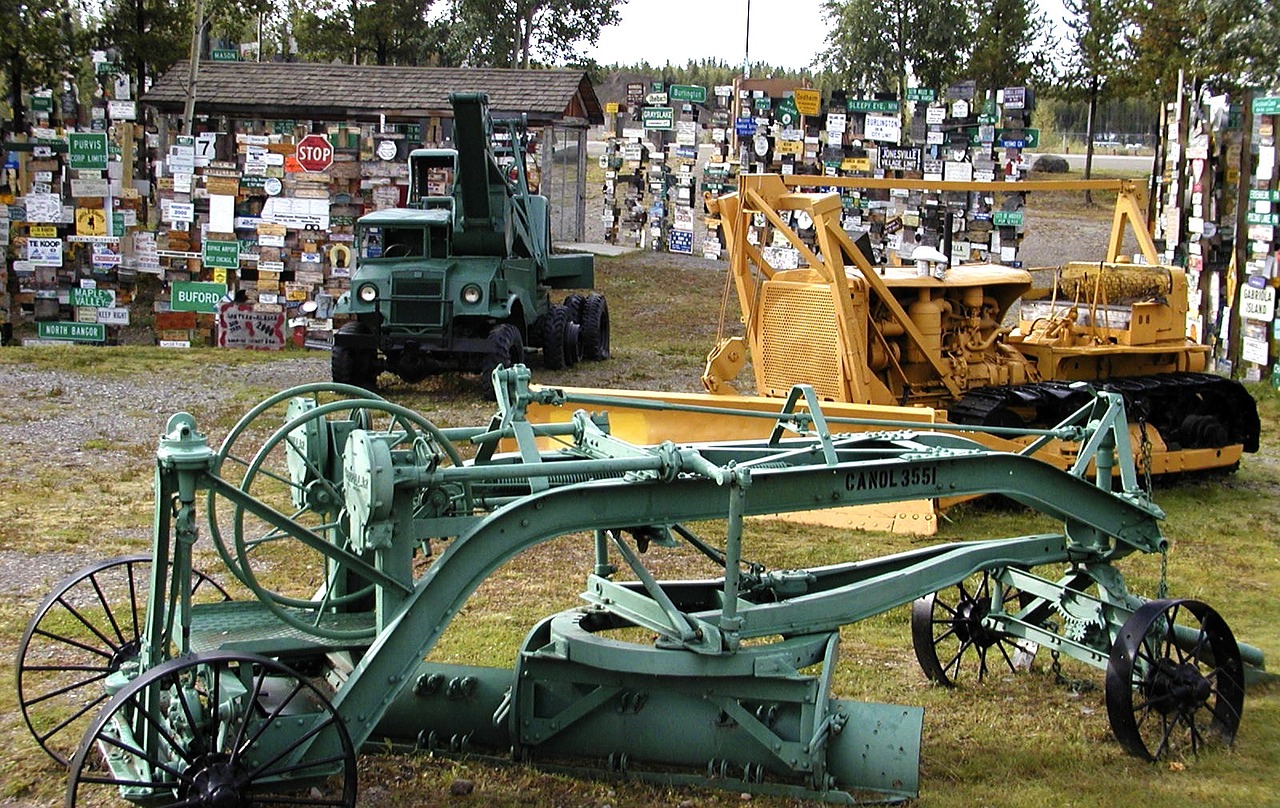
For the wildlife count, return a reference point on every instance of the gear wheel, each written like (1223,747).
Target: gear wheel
(1081,622)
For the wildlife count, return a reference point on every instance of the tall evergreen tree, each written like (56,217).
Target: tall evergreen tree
(1008,48)
(37,49)
(874,45)
(382,32)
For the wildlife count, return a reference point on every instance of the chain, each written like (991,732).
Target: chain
(1074,685)
(1163,589)
(1144,454)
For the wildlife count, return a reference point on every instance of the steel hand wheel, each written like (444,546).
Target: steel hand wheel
(288,527)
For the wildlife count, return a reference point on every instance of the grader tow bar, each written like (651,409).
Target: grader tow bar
(144,677)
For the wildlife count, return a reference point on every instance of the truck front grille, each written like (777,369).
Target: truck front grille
(417,302)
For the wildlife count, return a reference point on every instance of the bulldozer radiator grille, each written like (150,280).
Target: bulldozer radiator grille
(800,339)
(417,301)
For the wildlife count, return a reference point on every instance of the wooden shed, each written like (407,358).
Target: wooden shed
(560,106)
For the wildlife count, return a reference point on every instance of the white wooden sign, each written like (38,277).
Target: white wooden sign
(887,128)
(953,171)
(113,316)
(1258,304)
(1253,350)
(45,251)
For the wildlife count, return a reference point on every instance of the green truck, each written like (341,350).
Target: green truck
(461,278)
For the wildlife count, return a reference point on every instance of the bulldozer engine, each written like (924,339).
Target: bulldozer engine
(960,319)
(957,319)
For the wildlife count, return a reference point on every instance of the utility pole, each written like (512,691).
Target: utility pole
(193,68)
(746,48)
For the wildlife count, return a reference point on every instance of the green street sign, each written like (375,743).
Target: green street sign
(117,224)
(922,94)
(1267,105)
(195,296)
(41,103)
(658,117)
(1007,218)
(87,151)
(871,105)
(223,254)
(1253,217)
(74,332)
(411,131)
(95,298)
(786,112)
(762,104)
(656,86)
(1263,196)
(1030,138)
(688,92)
(225,55)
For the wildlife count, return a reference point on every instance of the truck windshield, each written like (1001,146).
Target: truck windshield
(393,242)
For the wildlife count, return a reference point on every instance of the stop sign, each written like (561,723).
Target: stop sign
(314,153)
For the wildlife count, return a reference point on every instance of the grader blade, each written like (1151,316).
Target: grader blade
(362,529)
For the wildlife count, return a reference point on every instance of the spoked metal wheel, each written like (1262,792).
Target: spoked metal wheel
(952,643)
(84,631)
(1175,682)
(217,729)
(287,454)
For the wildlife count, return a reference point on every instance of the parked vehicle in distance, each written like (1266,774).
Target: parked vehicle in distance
(460,279)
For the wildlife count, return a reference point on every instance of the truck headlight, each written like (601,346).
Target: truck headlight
(471,294)
(368,293)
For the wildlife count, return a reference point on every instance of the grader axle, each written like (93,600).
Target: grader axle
(150,682)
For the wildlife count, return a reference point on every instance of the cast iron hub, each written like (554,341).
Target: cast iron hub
(215,780)
(1177,688)
(126,652)
(970,612)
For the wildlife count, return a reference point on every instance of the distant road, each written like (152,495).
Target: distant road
(1138,166)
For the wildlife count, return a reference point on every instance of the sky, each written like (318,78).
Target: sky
(784,33)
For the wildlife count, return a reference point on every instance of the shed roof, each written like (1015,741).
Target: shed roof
(337,91)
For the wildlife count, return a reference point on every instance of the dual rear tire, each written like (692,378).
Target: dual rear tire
(578,329)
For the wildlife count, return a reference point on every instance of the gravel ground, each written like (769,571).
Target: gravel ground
(80,409)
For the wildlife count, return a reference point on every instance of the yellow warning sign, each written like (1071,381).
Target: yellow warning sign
(91,222)
(808,102)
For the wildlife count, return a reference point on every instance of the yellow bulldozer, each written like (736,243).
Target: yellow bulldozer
(940,336)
